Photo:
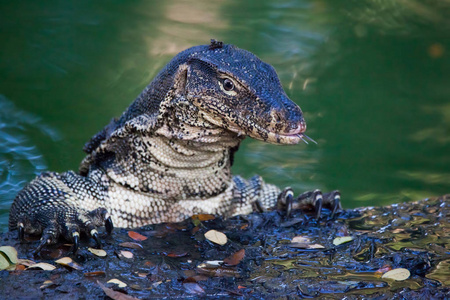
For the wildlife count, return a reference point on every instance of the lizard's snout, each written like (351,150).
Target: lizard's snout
(288,120)
(296,128)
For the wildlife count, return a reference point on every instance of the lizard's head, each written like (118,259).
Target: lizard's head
(234,89)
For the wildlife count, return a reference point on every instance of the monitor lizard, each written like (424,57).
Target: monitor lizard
(169,155)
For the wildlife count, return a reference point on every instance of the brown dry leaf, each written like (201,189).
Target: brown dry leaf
(119,283)
(244,227)
(175,254)
(97,252)
(95,274)
(131,245)
(398,230)
(42,266)
(25,262)
(235,258)
(136,236)
(398,274)
(115,294)
(218,271)
(20,267)
(382,270)
(216,237)
(68,262)
(203,217)
(341,240)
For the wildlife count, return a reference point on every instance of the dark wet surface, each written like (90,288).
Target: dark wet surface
(414,236)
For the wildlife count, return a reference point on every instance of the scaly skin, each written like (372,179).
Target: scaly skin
(169,156)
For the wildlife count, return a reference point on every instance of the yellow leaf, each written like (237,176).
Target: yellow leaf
(341,240)
(216,237)
(98,252)
(398,274)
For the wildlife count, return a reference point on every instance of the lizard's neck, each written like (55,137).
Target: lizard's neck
(186,157)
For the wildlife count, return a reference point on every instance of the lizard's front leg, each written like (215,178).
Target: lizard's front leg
(48,207)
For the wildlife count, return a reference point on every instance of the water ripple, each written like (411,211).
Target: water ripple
(20,160)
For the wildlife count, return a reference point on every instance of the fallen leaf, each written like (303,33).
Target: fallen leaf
(126,254)
(4,263)
(341,240)
(46,284)
(25,262)
(143,275)
(218,271)
(68,262)
(244,227)
(10,253)
(136,287)
(382,270)
(98,252)
(95,274)
(119,283)
(216,237)
(195,229)
(115,294)
(131,245)
(175,254)
(301,239)
(20,267)
(193,288)
(398,274)
(203,217)
(306,246)
(136,236)
(213,263)
(235,258)
(43,266)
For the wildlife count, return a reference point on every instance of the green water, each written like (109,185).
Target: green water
(371,76)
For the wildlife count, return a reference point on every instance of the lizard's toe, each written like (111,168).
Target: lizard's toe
(311,200)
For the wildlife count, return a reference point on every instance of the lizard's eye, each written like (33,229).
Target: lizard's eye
(228,85)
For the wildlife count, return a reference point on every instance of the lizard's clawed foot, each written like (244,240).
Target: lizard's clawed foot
(67,223)
(309,200)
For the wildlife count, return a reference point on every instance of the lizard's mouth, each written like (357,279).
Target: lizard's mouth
(291,137)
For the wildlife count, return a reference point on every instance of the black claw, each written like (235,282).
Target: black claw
(318,205)
(258,206)
(109,225)
(76,242)
(336,204)
(97,240)
(44,241)
(21,233)
(289,200)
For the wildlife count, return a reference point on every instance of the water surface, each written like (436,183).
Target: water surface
(371,76)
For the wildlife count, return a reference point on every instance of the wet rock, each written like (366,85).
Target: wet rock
(411,236)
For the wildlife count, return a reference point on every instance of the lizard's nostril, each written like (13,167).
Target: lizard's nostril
(296,128)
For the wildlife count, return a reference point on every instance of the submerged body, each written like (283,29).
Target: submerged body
(169,155)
